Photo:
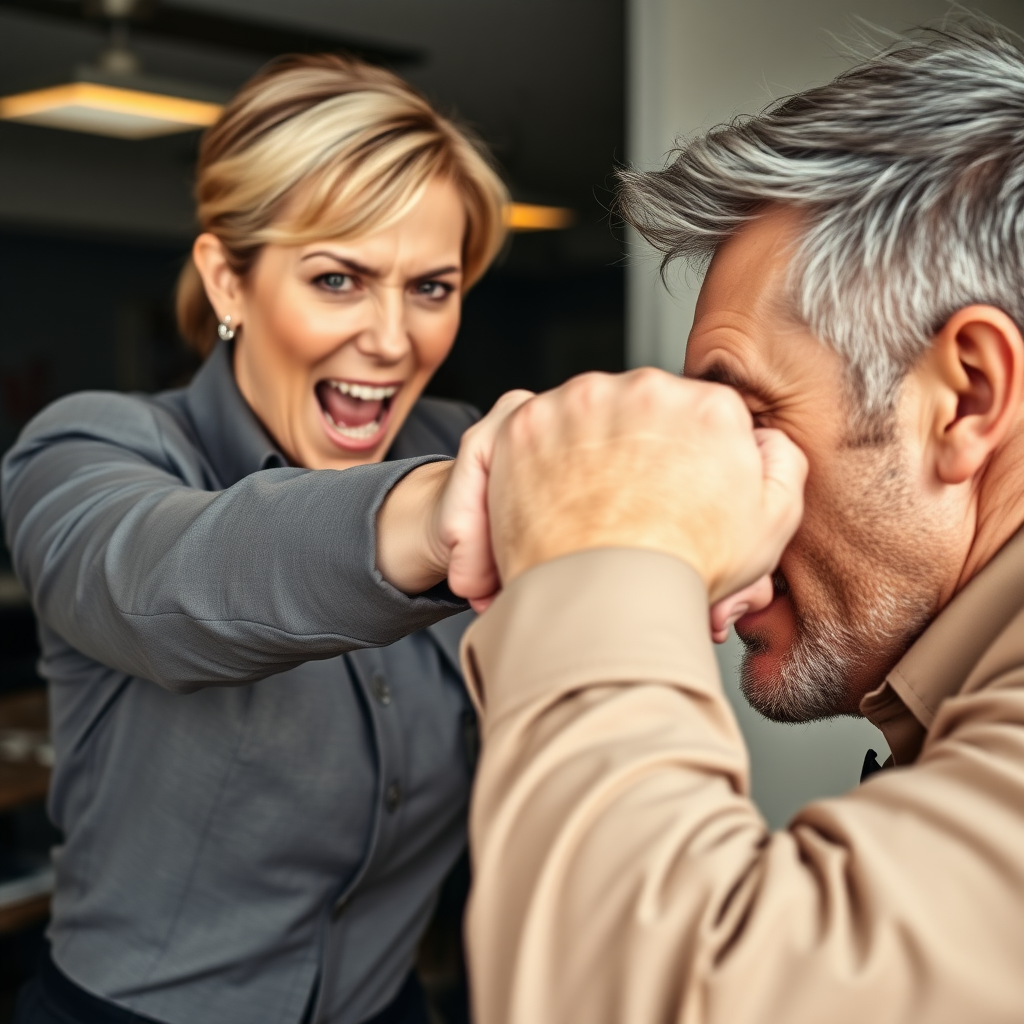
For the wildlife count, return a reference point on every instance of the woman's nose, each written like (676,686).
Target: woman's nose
(386,336)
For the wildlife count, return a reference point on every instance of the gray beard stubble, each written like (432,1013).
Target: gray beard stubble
(814,679)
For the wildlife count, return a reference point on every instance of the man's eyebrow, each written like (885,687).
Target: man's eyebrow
(722,373)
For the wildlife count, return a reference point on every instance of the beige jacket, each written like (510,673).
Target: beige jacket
(623,874)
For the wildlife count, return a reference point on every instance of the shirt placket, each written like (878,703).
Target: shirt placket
(368,670)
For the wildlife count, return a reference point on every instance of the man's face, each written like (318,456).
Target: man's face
(864,573)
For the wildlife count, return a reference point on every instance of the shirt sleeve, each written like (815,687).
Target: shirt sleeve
(132,561)
(622,873)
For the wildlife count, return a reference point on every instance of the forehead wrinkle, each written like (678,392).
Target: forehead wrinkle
(729,353)
(720,371)
(752,352)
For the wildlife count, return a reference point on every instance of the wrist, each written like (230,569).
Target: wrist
(544,545)
(410,553)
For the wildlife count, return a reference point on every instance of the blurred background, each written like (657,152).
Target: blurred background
(94,228)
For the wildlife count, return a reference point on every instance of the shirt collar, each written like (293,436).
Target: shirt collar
(233,438)
(940,660)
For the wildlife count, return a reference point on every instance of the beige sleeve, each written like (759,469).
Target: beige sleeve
(622,874)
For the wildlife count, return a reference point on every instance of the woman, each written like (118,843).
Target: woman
(263,745)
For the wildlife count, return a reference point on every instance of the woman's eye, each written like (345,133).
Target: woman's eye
(336,282)
(434,289)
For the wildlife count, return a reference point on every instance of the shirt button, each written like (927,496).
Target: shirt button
(393,797)
(381,690)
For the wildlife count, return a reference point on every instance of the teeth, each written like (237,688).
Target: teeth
(357,433)
(366,392)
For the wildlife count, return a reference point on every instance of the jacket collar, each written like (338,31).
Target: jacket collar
(233,438)
(941,659)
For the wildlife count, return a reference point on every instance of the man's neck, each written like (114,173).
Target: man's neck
(1000,504)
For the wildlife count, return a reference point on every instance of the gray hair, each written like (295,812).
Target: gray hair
(909,172)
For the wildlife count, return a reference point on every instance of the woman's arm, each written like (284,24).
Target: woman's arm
(410,554)
(135,563)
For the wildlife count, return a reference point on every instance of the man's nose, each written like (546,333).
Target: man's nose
(386,336)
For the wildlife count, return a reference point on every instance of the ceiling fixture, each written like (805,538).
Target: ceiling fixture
(113,96)
(101,109)
(188,24)
(534,217)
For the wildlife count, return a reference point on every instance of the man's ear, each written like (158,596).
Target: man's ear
(222,285)
(978,362)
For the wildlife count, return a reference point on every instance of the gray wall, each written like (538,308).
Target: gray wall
(692,64)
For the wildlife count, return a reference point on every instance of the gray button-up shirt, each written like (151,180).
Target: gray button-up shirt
(262,773)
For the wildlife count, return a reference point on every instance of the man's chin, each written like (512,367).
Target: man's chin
(797,682)
(762,680)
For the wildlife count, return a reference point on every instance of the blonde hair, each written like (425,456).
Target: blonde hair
(321,146)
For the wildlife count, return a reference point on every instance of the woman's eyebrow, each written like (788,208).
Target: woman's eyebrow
(349,264)
(440,272)
(359,268)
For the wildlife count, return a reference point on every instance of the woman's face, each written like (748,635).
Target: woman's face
(337,339)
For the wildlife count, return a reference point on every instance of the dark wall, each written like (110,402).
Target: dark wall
(80,313)
(533,323)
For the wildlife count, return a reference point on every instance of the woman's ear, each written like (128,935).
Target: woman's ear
(977,364)
(222,285)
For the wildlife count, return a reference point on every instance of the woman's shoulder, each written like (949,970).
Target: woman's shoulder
(146,425)
(434,427)
(108,413)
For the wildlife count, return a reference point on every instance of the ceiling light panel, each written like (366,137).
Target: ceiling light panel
(108,110)
(533,217)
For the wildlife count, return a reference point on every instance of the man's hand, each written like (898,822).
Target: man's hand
(434,522)
(648,460)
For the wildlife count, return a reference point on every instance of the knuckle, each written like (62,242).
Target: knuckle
(584,391)
(648,383)
(511,399)
(470,435)
(725,408)
(526,422)
(586,383)
(648,376)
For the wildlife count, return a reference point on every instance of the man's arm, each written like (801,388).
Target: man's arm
(621,872)
(622,875)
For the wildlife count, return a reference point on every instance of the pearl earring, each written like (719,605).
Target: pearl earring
(224,329)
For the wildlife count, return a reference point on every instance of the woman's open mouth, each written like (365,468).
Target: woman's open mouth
(355,413)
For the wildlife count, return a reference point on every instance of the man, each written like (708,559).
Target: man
(864,301)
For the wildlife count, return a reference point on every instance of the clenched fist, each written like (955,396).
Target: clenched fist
(434,523)
(644,459)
